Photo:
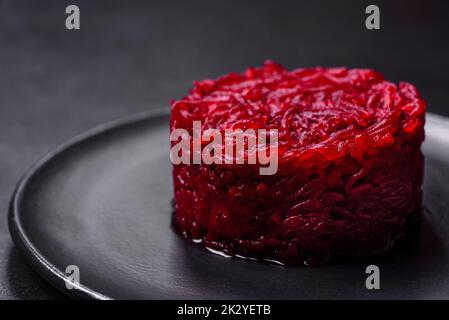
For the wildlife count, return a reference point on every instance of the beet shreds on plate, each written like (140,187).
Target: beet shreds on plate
(349,172)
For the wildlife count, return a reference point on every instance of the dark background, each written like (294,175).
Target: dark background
(131,56)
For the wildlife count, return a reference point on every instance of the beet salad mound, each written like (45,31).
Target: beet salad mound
(349,165)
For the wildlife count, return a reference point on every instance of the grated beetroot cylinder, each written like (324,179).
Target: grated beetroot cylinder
(349,173)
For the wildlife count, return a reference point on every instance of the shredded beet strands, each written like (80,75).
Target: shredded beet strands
(350,165)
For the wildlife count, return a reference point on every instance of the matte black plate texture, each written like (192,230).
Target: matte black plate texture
(102,202)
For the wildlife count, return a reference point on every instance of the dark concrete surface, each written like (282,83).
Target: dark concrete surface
(131,56)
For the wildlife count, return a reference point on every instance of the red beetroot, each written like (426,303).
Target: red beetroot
(350,165)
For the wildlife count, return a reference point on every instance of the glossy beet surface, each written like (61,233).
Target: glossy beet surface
(350,164)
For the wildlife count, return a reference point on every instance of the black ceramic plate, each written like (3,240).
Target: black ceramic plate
(102,202)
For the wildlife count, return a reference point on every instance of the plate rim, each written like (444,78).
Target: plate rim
(38,261)
(34,258)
